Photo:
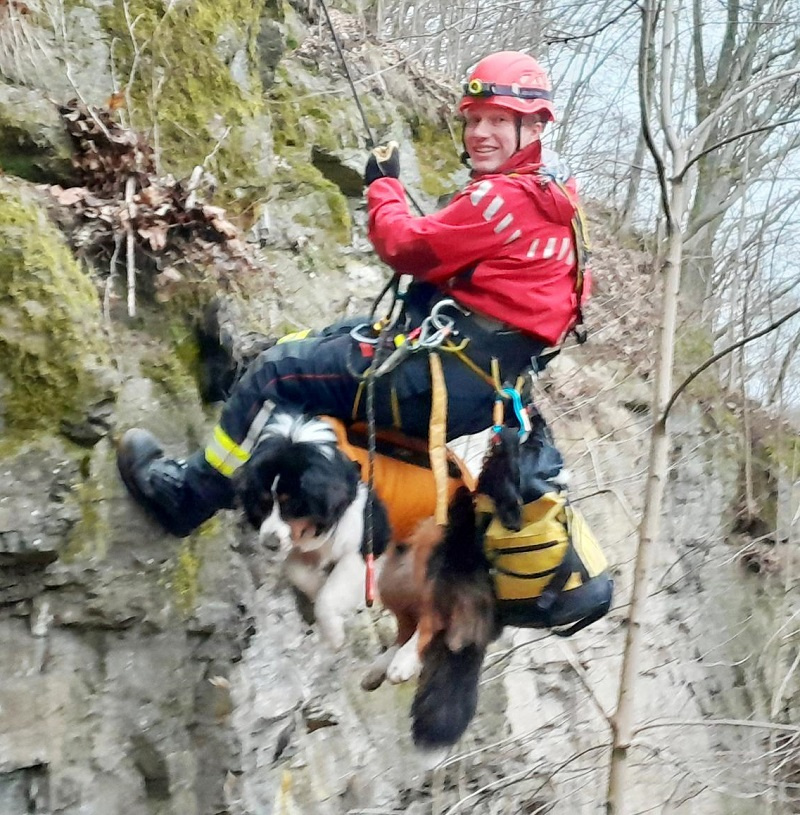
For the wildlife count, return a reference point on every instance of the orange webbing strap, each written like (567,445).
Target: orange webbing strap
(437,436)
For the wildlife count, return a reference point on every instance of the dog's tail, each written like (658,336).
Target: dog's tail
(463,622)
(447,694)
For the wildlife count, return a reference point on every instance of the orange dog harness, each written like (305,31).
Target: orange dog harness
(403,477)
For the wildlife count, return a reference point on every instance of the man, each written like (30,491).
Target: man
(504,250)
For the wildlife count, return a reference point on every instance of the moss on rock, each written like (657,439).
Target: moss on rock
(185,576)
(54,359)
(196,83)
(437,156)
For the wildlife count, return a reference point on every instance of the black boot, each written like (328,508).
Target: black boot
(158,483)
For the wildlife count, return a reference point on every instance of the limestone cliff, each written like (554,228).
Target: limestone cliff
(142,675)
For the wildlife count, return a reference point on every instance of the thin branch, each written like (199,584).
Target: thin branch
(723,142)
(599,30)
(702,128)
(724,352)
(644,109)
(784,728)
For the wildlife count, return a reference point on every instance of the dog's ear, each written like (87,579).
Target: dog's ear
(253,482)
(500,478)
(330,487)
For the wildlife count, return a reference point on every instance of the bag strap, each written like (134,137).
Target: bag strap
(559,579)
(571,563)
(580,232)
(596,615)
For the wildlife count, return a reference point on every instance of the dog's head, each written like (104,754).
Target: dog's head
(519,469)
(312,481)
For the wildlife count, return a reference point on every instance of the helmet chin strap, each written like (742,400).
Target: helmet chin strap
(464,157)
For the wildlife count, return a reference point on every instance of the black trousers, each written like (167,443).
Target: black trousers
(322,374)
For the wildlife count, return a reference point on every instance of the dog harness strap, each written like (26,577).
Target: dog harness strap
(437,435)
(225,455)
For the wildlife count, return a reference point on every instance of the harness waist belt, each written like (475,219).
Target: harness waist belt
(489,324)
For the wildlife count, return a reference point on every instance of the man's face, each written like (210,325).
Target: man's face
(490,136)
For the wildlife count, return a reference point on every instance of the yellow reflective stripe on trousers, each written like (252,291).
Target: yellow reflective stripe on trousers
(225,455)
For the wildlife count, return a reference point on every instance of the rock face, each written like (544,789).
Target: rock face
(145,675)
(54,357)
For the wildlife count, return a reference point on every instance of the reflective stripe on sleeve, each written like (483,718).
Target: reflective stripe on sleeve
(225,455)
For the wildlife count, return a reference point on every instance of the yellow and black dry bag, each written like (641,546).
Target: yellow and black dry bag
(550,574)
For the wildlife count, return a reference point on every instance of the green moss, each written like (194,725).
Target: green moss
(785,452)
(89,536)
(183,87)
(694,344)
(174,367)
(437,156)
(297,178)
(52,350)
(185,576)
(301,117)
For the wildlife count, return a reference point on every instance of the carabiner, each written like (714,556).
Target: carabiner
(371,339)
(521,414)
(436,318)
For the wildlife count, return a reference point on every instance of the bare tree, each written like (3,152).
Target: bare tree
(675,165)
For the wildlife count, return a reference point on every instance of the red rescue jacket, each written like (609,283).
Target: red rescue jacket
(511,229)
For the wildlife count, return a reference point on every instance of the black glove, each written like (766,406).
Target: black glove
(383,162)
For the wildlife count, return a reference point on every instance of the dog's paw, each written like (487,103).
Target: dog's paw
(376,673)
(332,631)
(406,663)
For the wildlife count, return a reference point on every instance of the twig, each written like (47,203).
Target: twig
(215,150)
(110,279)
(724,352)
(584,680)
(131,260)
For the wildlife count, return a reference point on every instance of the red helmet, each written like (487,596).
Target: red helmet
(511,80)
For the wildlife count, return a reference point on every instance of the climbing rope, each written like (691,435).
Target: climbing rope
(367,128)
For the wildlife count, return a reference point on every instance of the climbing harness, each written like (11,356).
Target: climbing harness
(429,335)
(580,233)
(437,437)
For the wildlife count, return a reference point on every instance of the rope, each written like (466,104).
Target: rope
(370,138)
(369,542)
(369,555)
(437,436)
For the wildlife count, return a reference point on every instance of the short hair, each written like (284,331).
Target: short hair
(534,118)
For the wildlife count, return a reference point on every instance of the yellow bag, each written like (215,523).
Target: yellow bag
(550,574)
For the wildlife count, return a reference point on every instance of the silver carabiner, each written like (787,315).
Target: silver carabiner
(356,334)
(437,319)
